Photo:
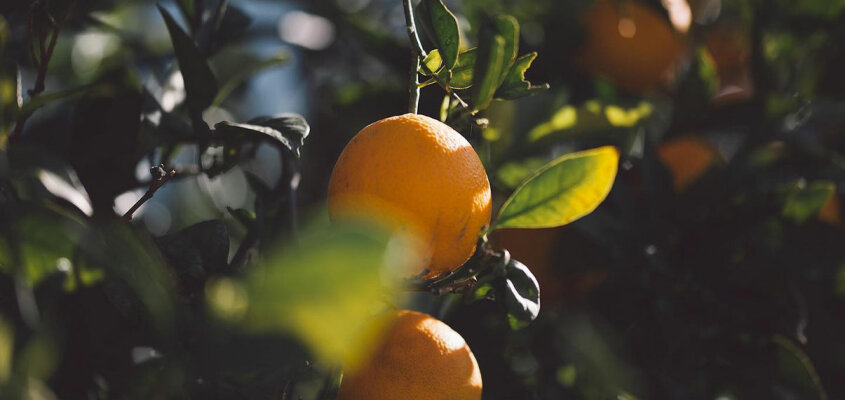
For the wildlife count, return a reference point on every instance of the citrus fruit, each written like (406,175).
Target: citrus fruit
(830,212)
(418,358)
(687,158)
(419,176)
(630,44)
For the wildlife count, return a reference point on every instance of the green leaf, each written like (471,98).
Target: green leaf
(322,290)
(445,30)
(200,83)
(245,73)
(490,63)
(590,118)
(804,203)
(512,173)
(508,28)
(562,191)
(462,72)
(286,131)
(519,294)
(514,84)
(431,63)
(794,363)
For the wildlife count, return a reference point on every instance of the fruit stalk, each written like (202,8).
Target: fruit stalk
(417,52)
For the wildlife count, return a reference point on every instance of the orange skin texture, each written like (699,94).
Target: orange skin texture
(420,176)
(687,158)
(638,63)
(418,358)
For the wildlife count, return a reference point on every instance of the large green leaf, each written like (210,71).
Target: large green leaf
(562,191)
(200,83)
(445,30)
(508,28)
(462,72)
(798,369)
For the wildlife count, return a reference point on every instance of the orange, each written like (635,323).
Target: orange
(687,158)
(420,176)
(830,212)
(630,44)
(418,358)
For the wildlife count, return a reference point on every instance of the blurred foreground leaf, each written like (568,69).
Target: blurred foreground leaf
(590,118)
(322,291)
(804,203)
(564,190)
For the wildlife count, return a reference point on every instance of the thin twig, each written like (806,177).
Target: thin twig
(418,54)
(160,177)
(43,62)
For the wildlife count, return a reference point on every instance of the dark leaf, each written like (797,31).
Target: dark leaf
(514,85)
(445,29)
(197,250)
(519,293)
(247,72)
(294,127)
(245,217)
(200,84)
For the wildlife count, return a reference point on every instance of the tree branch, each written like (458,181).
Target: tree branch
(160,177)
(43,61)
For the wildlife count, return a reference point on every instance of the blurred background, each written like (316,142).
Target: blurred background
(714,270)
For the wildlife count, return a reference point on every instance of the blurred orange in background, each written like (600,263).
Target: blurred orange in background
(631,45)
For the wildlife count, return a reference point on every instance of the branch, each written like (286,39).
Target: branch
(43,61)
(160,177)
(418,53)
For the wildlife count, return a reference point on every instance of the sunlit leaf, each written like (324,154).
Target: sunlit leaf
(445,30)
(514,84)
(805,202)
(490,62)
(324,290)
(431,63)
(200,83)
(72,191)
(592,117)
(562,191)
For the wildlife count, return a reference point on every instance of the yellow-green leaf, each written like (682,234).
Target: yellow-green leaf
(562,191)
(323,291)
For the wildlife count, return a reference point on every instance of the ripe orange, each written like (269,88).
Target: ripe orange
(830,212)
(420,176)
(630,44)
(687,158)
(419,358)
